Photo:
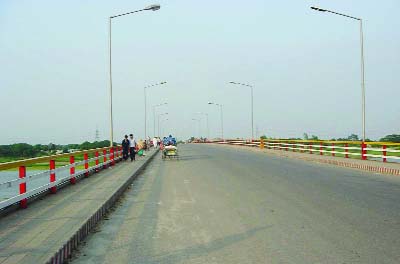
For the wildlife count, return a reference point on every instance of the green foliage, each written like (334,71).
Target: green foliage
(263,137)
(352,137)
(24,150)
(391,138)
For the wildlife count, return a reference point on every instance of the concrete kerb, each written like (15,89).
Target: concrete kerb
(65,252)
(337,161)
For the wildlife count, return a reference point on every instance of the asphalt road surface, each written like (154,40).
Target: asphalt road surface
(220,204)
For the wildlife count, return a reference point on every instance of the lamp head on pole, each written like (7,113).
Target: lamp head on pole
(318,9)
(153,7)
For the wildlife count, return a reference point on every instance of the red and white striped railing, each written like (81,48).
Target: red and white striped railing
(380,151)
(109,156)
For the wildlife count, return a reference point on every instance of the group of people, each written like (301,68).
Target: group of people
(130,147)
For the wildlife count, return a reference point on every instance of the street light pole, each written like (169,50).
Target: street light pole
(154,116)
(252,106)
(145,105)
(162,127)
(222,118)
(152,8)
(198,120)
(208,130)
(159,123)
(362,63)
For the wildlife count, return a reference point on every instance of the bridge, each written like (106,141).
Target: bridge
(233,201)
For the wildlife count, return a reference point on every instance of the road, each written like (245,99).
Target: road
(220,204)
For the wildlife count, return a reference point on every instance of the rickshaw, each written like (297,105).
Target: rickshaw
(169,148)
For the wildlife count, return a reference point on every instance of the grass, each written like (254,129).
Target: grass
(45,165)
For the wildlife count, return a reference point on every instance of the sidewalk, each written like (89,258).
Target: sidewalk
(49,229)
(366,165)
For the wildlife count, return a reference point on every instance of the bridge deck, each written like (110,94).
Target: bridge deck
(224,205)
(35,234)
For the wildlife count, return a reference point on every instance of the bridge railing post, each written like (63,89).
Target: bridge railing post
(261,143)
(112,156)
(347,150)
(333,149)
(86,158)
(384,153)
(363,151)
(320,149)
(22,187)
(72,178)
(104,158)
(96,155)
(311,147)
(52,167)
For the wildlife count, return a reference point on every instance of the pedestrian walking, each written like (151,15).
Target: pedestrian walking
(155,142)
(132,147)
(125,147)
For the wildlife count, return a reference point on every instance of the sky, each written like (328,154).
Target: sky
(304,66)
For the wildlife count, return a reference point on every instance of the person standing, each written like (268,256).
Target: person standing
(132,147)
(155,142)
(125,147)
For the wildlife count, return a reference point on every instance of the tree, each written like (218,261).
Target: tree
(314,137)
(263,137)
(391,138)
(353,137)
(305,136)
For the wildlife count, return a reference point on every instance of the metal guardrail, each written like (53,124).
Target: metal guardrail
(383,151)
(107,158)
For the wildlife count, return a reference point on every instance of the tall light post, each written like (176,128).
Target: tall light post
(198,120)
(154,116)
(208,130)
(162,125)
(149,8)
(362,63)
(222,118)
(145,105)
(252,105)
(158,125)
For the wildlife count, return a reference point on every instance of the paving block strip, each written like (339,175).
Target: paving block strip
(51,228)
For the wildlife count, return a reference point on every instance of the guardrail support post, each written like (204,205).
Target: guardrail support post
(333,149)
(262,143)
(320,149)
(384,153)
(363,151)
(72,178)
(116,154)
(104,159)
(310,147)
(347,150)
(22,187)
(52,167)
(112,156)
(96,154)
(86,158)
